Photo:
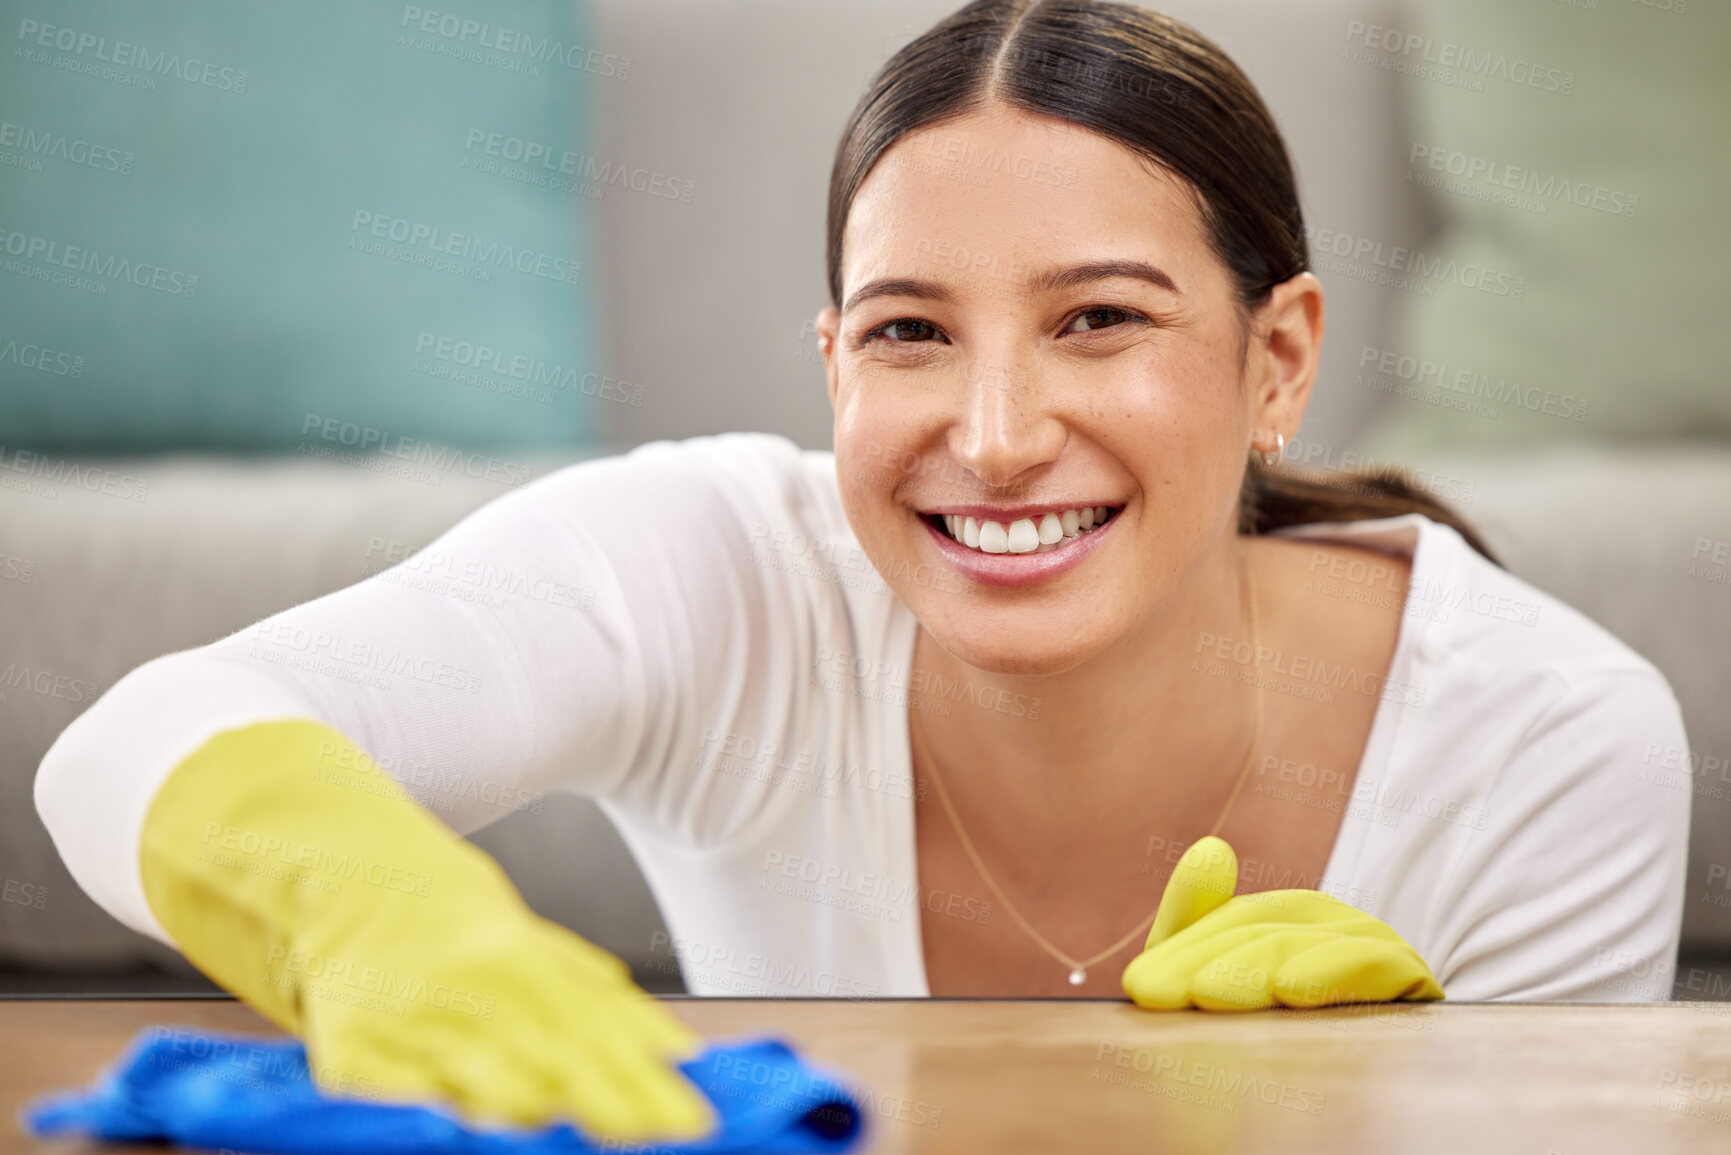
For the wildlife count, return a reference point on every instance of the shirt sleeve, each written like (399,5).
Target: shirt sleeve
(583,632)
(1573,891)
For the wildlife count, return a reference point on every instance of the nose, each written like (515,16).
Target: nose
(1003,427)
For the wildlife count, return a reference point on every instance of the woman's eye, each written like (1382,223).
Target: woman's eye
(908,330)
(1102,318)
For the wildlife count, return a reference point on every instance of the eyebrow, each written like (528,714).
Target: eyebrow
(1052,280)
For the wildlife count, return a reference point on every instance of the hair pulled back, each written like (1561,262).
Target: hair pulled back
(1163,90)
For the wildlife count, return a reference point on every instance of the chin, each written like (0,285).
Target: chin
(1016,642)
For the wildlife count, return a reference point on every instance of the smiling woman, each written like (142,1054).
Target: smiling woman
(1051,387)
(1100,625)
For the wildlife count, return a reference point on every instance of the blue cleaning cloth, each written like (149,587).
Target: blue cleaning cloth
(214,1090)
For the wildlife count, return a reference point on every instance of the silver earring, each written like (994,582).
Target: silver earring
(1271,457)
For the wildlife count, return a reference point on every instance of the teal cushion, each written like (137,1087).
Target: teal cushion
(226,224)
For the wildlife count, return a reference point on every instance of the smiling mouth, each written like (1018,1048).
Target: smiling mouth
(1043,534)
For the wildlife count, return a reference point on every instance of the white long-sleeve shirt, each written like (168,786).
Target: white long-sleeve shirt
(690,634)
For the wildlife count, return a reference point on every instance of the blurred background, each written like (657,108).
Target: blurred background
(285,291)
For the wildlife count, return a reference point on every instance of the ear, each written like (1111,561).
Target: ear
(1285,349)
(828,335)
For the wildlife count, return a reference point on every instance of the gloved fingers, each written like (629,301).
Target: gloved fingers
(494,1085)
(1203,881)
(1196,946)
(610,1095)
(659,1101)
(1355,970)
(502,1066)
(589,1061)
(1243,977)
(1295,908)
(640,1015)
(1268,908)
(655,1029)
(1300,908)
(563,1030)
(563,987)
(373,1072)
(1160,978)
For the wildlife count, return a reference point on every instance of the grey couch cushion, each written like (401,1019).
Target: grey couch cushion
(180,552)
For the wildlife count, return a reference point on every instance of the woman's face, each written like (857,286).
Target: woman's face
(1033,328)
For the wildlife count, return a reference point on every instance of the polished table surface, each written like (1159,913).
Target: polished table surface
(1059,1076)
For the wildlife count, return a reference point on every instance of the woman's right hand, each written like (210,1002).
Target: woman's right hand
(509,1018)
(400,953)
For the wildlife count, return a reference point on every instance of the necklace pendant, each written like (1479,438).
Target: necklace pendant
(1078,977)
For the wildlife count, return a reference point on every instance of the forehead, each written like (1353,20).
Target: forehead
(980,201)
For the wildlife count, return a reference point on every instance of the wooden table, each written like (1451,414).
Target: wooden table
(1061,1076)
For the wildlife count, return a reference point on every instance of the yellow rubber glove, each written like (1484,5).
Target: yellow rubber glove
(293,871)
(1299,948)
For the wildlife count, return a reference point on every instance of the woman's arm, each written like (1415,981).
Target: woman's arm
(229,800)
(580,633)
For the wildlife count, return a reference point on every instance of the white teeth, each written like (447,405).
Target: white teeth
(1025,535)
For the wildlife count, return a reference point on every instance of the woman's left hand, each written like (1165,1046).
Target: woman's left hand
(1298,948)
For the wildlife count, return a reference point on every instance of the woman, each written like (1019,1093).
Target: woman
(1106,628)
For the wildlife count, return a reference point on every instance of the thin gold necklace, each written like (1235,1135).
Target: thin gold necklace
(1079,967)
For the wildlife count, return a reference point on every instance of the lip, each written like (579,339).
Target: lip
(1008,513)
(1011,570)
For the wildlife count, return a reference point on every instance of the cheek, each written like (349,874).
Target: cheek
(865,429)
(869,460)
(1174,413)
(1177,423)
(868,469)
(881,442)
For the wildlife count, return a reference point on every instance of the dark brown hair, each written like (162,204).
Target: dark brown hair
(1163,90)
